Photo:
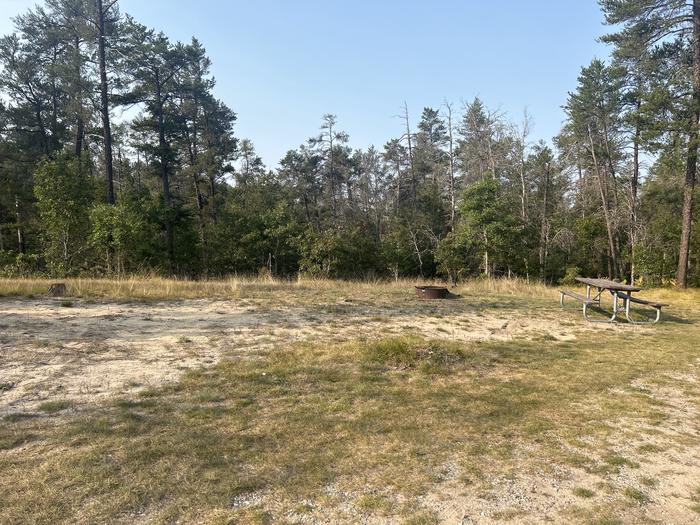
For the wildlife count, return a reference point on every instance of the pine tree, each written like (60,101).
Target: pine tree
(651,23)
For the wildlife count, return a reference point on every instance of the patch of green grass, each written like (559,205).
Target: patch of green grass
(10,441)
(604,520)
(635,494)
(507,514)
(17,416)
(648,448)
(67,303)
(422,517)
(618,461)
(149,392)
(402,353)
(374,504)
(613,463)
(51,407)
(582,492)
(594,515)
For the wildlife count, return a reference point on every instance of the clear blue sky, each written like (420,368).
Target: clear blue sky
(282,64)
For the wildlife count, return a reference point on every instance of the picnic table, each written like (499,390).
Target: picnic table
(619,291)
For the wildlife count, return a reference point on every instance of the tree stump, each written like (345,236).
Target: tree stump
(57,290)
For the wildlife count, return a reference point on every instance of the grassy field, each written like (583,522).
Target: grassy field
(387,410)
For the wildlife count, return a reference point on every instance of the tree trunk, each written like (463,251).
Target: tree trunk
(202,224)
(543,227)
(521,169)
(410,154)
(634,189)
(612,248)
(79,123)
(334,202)
(692,159)
(104,101)
(486,255)
(79,135)
(20,233)
(452,168)
(398,185)
(165,175)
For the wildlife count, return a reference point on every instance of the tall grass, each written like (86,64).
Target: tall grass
(151,287)
(155,287)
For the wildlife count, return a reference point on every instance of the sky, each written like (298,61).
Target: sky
(282,64)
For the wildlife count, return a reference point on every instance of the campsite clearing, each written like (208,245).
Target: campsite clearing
(313,402)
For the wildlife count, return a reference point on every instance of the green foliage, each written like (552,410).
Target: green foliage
(455,258)
(590,245)
(124,236)
(396,252)
(340,252)
(64,195)
(488,225)
(258,230)
(570,275)
(19,264)
(456,195)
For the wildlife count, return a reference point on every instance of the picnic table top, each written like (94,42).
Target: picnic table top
(608,284)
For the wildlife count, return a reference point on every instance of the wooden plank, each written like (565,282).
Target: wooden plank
(637,300)
(577,296)
(608,284)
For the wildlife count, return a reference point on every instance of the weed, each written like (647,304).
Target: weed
(583,492)
(635,494)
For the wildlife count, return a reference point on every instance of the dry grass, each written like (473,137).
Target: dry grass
(158,288)
(371,430)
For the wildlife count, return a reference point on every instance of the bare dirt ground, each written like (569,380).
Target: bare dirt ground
(93,350)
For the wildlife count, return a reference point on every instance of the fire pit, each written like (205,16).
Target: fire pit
(431,292)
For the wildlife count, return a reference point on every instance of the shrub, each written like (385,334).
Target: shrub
(570,276)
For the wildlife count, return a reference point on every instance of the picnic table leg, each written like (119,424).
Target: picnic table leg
(585,307)
(629,317)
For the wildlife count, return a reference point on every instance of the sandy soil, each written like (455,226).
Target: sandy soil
(94,350)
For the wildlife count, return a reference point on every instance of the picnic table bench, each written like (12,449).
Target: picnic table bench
(619,292)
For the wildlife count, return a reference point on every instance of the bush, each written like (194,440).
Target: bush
(454,258)
(64,193)
(19,265)
(570,275)
(338,253)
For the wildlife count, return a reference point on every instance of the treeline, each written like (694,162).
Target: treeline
(167,187)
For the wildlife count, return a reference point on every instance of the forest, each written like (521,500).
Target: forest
(116,158)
